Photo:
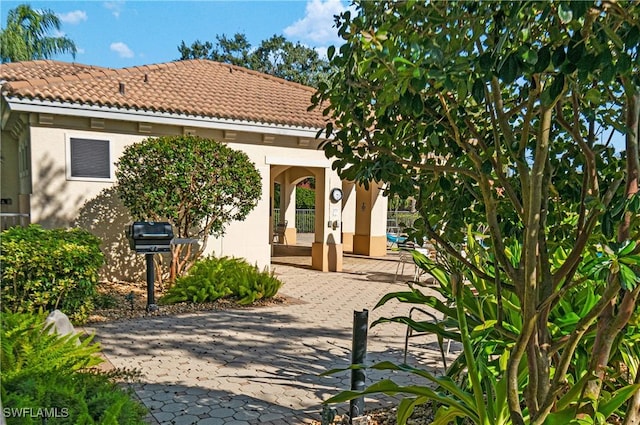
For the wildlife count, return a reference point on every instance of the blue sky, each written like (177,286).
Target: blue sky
(127,33)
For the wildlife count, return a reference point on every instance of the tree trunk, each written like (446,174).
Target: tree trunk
(611,322)
(633,411)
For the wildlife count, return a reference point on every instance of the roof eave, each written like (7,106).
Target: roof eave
(20,104)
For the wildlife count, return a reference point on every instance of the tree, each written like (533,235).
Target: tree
(494,114)
(275,56)
(236,50)
(196,184)
(25,36)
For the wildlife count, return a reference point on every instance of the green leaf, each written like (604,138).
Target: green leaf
(558,57)
(544,59)
(487,167)
(509,69)
(607,225)
(417,106)
(634,203)
(556,87)
(627,248)
(561,417)
(565,13)
(403,61)
(462,90)
(444,183)
(632,39)
(628,278)
(407,406)
(619,398)
(530,56)
(434,140)
(477,91)
(331,51)
(593,96)
(486,62)
(579,8)
(623,64)
(575,51)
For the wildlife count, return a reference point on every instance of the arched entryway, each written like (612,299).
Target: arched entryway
(354,222)
(326,247)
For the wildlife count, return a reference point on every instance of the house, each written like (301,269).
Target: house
(58,118)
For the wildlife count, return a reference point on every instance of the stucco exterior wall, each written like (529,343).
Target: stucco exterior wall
(9,173)
(58,201)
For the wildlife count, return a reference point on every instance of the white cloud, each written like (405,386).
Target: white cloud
(115,7)
(74,17)
(121,49)
(317,26)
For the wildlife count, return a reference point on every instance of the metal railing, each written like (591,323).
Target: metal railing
(8,220)
(400,219)
(305,220)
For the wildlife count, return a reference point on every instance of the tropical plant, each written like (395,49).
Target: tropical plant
(196,184)
(488,324)
(49,269)
(275,56)
(43,369)
(494,115)
(26,35)
(213,278)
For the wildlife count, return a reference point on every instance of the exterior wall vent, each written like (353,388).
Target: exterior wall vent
(45,119)
(144,127)
(97,123)
(303,142)
(230,135)
(188,131)
(268,138)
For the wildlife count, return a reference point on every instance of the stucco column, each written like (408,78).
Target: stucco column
(348,215)
(326,251)
(288,207)
(371,221)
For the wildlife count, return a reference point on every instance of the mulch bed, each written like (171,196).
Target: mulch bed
(422,415)
(126,301)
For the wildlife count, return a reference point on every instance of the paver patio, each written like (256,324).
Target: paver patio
(262,365)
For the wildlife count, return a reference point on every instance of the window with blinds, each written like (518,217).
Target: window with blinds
(90,158)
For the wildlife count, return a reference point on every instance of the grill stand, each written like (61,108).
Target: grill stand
(151,273)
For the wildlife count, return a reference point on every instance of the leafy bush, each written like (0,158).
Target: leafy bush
(214,278)
(49,269)
(198,185)
(51,372)
(305,198)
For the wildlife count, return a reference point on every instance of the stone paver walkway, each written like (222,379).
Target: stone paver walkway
(263,365)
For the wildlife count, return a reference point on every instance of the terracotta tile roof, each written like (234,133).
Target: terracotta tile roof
(16,71)
(195,87)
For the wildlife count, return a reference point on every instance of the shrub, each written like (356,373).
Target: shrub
(305,198)
(49,269)
(198,185)
(51,372)
(214,278)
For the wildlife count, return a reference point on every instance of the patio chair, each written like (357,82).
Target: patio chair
(432,320)
(279,233)
(406,257)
